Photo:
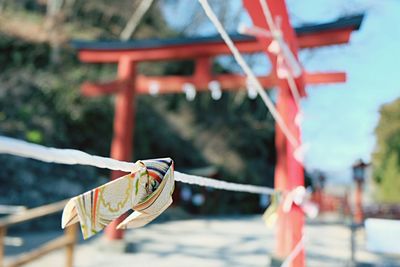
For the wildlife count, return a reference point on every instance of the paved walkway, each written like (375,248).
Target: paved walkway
(242,241)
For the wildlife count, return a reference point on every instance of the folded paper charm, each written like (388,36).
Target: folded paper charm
(147,190)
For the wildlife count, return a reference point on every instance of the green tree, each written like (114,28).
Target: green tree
(386,159)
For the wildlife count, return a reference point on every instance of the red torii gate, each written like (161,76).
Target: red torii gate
(288,172)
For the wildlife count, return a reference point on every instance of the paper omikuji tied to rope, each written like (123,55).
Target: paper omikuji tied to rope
(147,191)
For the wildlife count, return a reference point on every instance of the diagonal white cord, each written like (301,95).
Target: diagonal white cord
(277,35)
(285,50)
(293,254)
(268,16)
(293,88)
(135,19)
(249,73)
(71,156)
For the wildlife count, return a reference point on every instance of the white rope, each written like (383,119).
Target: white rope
(242,63)
(277,35)
(135,19)
(286,52)
(296,250)
(294,89)
(55,155)
(218,184)
(71,156)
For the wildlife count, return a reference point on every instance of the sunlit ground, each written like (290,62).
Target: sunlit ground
(233,241)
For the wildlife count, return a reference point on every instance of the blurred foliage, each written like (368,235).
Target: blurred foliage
(88,18)
(386,159)
(41,103)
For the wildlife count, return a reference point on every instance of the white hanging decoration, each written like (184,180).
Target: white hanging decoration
(296,196)
(298,120)
(190,91)
(154,88)
(274,47)
(242,28)
(215,88)
(310,209)
(251,91)
(300,197)
(300,152)
(282,70)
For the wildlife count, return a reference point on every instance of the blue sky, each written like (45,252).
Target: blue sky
(339,120)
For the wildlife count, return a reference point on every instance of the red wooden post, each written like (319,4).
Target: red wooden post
(289,172)
(295,177)
(288,175)
(202,72)
(281,173)
(121,147)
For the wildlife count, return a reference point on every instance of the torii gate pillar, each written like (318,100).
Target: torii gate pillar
(121,146)
(289,172)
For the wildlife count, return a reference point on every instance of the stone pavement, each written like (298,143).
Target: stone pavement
(233,241)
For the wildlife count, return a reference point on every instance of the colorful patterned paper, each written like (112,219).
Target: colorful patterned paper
(270,215)
(147,190)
